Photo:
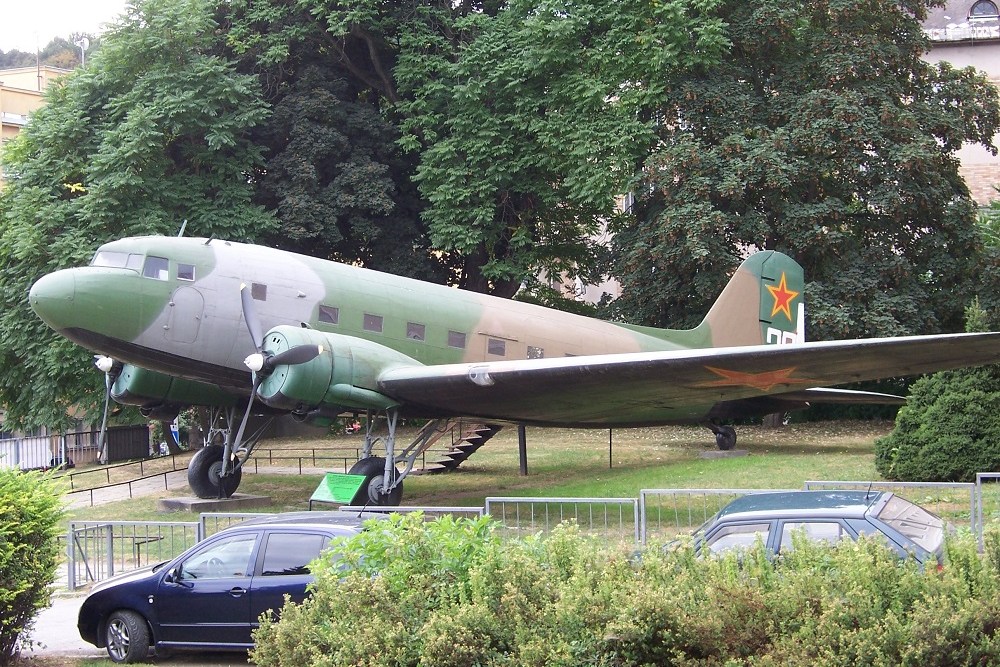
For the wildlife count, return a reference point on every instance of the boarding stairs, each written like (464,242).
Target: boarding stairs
(466,437)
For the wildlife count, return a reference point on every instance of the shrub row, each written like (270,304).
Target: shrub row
(451,593)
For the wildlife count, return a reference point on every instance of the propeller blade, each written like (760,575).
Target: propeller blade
(299,354)
(101,443)
(250,316)
(238,440)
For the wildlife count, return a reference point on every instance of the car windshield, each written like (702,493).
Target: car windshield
(916,523)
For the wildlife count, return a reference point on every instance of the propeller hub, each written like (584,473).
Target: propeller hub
(103,363)
(255,362)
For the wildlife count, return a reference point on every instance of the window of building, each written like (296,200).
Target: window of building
(185,272)
(415,331)
(535,352)
(984,9)
(456,339)
(258,291)
(329,314)
(373,323)
(156,267)
(496,346)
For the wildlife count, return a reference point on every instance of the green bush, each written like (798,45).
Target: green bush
(949,429)
(564,599)
(30,509)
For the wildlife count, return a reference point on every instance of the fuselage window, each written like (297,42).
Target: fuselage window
(156,267)
(258,291)
(373,323)
(496,346)
(185,272)
(415,331)
(456,339)
(329,314)
(117,260)
(535,352)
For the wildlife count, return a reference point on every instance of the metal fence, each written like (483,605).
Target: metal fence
(73,448)
(96,550)
(612,518)
(99,549)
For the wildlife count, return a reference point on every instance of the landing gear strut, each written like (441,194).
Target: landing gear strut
(216,470)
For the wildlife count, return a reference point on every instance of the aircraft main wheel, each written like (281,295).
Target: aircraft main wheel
(204,471)
(127,637)
(725,438)
(370,493)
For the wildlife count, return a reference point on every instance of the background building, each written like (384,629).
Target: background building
(20,95)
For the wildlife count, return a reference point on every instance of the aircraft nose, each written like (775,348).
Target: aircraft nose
(50,296)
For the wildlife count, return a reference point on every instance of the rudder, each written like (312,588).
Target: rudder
(763,303)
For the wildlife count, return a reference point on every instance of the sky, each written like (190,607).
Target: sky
(23,23)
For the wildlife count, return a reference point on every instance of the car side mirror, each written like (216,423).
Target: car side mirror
(174,577)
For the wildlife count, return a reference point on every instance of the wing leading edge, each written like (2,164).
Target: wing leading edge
(669,387)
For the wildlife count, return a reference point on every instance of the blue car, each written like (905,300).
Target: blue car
(824,516)
(210,597)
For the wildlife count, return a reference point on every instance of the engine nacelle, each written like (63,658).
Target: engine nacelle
(151,390)
(343,377)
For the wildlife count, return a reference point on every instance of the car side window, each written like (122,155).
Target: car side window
(830,532)
(228,557)
(291,553)
(737,536)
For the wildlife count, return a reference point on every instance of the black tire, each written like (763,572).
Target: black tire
(126,637)
(370,493)
(203,474)
(725,438)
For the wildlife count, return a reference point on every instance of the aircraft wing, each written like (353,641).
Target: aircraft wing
(675,386)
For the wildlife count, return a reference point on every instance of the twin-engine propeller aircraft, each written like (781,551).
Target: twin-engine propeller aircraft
(185,321)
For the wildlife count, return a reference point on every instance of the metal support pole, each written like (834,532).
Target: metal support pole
(522,448)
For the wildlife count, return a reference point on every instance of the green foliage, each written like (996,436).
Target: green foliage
(827,136)
(563,600)
(949,428)
(152,132)
(30,511)
(528,117)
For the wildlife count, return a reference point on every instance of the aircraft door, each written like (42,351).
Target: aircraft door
(187,308)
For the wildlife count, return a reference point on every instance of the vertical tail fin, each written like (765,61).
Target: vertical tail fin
(764,303)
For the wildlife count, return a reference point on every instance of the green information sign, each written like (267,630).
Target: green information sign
(338,487)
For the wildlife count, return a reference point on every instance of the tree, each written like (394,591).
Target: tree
(826,136)
(152,132)
(527,116)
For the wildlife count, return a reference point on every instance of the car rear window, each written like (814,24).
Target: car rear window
(916,523)
(291,553)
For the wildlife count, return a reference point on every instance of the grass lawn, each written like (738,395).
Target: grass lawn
(575,462)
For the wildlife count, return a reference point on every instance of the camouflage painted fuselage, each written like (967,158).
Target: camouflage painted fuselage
(172,306)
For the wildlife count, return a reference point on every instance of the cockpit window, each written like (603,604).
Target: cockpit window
(117,260)
(155,267)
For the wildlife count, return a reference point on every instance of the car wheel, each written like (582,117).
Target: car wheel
(127,637)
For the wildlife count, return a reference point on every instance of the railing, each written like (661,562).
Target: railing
(96,550)
(616,518)
(99,549)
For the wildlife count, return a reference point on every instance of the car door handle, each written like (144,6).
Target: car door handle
(237,591)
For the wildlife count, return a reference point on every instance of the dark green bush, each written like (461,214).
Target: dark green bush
(30,509)
(565,600)
(949,429)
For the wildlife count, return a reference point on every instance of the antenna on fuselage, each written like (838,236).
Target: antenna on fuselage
(183,227)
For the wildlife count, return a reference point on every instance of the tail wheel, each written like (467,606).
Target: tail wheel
(370,493)
(204,474)
(127,637)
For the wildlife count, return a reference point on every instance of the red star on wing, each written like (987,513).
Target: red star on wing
(761,381)
(782,298)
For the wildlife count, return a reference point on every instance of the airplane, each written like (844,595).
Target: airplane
(181,321)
